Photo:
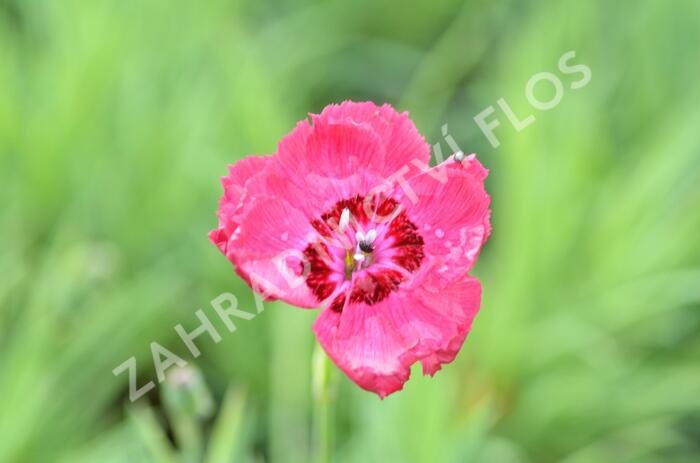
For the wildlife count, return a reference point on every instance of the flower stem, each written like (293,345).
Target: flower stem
(324,394)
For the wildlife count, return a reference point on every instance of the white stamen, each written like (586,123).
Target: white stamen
(359,257)
(459,156)
(344,220)
(359,236)
(370,236)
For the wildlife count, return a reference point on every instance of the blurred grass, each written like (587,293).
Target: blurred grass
(118,117)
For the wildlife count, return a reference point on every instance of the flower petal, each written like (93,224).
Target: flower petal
(398,135)
(450,207)
(267,248)
(329,150)
(235,185)
(376,345)
(313,194)
(349,149)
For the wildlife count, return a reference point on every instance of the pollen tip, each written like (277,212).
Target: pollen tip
(344,219)
(371,236)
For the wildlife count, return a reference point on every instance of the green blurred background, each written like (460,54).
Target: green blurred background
(117,119)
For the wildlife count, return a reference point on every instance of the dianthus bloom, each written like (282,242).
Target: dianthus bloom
(348,216)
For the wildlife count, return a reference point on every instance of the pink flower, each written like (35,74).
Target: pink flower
(348,216)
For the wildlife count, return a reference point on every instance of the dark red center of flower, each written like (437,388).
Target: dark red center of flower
(365,248)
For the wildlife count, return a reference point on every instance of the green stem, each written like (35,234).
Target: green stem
(188,436)
(324,394)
